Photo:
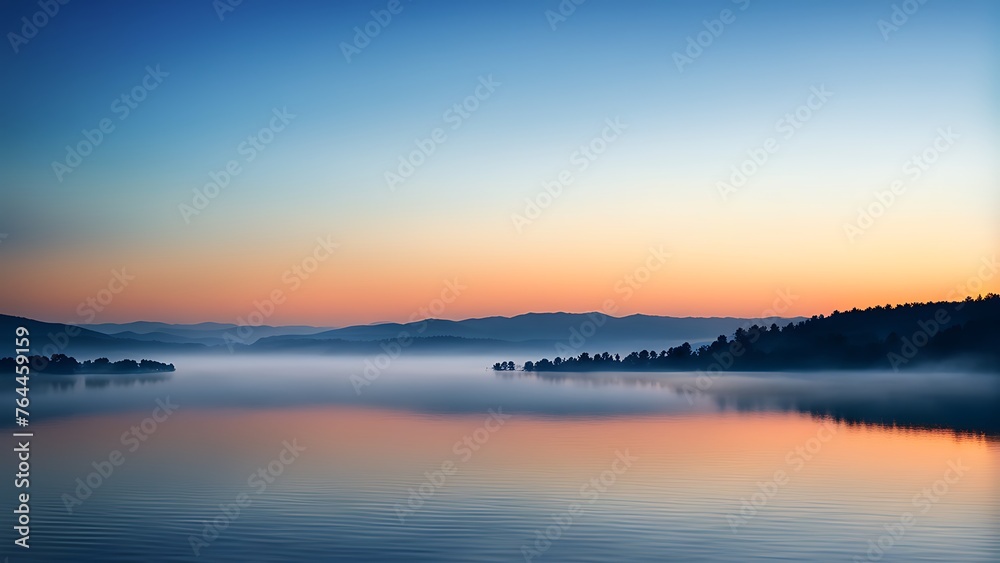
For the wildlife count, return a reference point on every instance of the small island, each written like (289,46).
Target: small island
(66,365)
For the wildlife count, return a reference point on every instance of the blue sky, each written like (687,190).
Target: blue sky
(326,171)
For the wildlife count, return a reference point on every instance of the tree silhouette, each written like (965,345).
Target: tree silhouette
(879,337)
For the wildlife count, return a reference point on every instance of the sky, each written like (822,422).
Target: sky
(335,163)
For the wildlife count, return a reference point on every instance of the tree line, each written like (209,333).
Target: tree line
(63,364)
(880,337)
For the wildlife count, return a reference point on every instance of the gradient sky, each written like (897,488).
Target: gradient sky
(655,186)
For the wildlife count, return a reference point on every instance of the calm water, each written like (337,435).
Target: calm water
(288,462)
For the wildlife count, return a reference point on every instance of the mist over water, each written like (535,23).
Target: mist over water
(437,458)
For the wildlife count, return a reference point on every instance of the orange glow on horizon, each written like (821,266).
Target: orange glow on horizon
(368,280)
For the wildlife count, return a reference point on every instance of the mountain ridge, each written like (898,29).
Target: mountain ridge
(532,330)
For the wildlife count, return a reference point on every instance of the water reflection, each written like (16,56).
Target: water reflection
(702,449)
(339,501)
(456,385)
(124,381)
(964,403)
(56,382)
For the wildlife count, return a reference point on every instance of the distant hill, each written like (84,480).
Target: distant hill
(38,329)
(962,335)
(539,331)
(532,332)
(391,346)
(209,334)
(56,338)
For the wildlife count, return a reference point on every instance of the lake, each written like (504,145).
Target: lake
(280,458)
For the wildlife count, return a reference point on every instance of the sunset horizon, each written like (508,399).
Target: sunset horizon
(539,281)
(539,192)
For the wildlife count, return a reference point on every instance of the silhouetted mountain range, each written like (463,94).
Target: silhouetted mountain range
(209,334)
(533,332)
(538,332)
(56,338)
(963,335)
